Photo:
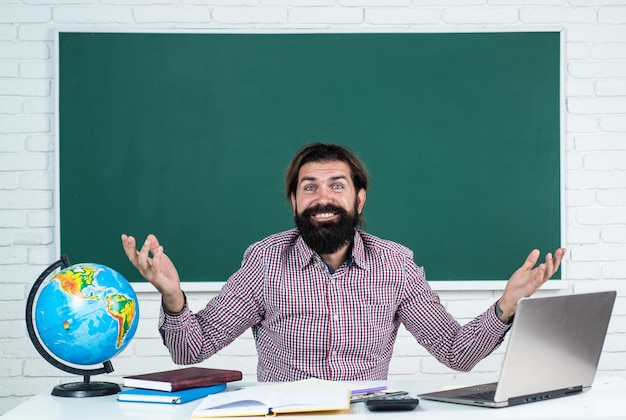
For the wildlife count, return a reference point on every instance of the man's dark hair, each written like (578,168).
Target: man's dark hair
(325,152)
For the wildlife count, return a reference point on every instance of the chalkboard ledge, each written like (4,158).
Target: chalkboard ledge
(438,286)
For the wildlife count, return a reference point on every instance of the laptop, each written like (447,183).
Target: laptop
(554,348)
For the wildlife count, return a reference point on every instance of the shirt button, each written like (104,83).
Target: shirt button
(336,317)
(333,353)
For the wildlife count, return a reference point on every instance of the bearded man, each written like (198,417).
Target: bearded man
(326,299)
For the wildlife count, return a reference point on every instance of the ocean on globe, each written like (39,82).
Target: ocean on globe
(86,314)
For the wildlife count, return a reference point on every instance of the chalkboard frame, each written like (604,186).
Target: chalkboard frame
(216,284)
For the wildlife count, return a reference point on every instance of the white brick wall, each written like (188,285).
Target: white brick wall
(595,160)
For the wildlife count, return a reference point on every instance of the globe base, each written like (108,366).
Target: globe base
(86,389)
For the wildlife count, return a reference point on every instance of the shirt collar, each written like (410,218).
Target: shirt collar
(307,256)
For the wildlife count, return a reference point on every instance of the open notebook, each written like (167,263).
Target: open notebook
(553,351)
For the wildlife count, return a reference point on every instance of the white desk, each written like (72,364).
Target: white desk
(603,401)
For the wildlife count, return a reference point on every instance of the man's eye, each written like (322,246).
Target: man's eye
(309,188)
(337,187)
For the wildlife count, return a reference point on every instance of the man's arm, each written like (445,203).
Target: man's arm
(460,347)
(193,337)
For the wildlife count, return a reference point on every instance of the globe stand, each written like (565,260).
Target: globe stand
(87,388)
(72,389)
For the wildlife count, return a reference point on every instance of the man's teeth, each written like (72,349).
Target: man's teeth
(324,215)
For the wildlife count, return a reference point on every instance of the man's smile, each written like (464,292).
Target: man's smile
(323,216)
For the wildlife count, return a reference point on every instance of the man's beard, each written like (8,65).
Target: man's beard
(327,237)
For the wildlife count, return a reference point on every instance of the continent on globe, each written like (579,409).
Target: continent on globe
(123,310)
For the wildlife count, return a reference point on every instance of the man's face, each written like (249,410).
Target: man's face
(326,205)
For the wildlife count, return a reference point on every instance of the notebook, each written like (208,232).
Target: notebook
(553,351)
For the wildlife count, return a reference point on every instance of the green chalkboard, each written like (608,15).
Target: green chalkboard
(188,135)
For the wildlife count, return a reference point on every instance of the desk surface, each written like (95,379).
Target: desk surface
(603,401)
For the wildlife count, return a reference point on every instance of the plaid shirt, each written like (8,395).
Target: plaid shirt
(307,321)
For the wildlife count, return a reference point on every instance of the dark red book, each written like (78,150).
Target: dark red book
(184,378)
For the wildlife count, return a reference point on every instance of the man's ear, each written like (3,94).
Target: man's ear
(293,203)
(361,196)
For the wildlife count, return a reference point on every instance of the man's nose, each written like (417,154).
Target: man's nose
(325,196)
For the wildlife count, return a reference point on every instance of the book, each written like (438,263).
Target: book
(184,378)
(164,397)
(307,395)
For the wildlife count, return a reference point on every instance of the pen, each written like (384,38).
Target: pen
(368,390)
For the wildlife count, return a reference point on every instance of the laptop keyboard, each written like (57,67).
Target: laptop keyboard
(484,396)
(485,392)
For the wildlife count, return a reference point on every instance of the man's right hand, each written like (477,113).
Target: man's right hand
(158,270)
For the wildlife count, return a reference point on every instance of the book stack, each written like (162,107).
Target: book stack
(176,386)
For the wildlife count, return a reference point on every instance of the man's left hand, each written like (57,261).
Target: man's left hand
(527,279)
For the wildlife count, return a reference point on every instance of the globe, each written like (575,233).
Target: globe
(84,315)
